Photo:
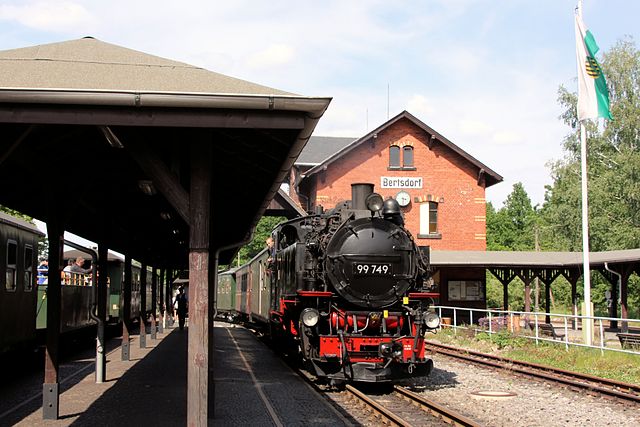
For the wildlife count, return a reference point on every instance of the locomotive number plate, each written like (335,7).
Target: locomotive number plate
(372,269)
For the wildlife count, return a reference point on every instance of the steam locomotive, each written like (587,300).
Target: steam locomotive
(348,288)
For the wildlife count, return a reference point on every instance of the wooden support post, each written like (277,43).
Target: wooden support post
(574,302)
(613,309)
(547,302)
(168,295)
(198,354)
(505,296)
(527,294)
(50,387)
(103,272)
(126,309)
(143,306)
(624,285)
(154,303)
(161,308)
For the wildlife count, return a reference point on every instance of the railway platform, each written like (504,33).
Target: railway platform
(252,387)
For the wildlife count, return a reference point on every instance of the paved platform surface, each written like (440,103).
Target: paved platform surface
(253,387)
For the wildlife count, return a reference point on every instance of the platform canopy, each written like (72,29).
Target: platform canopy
(103,136)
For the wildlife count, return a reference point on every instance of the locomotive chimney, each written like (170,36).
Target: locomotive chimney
(359,193)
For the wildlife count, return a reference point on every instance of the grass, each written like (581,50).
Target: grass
(613,365)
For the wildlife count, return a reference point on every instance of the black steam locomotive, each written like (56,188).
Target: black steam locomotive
(348,288)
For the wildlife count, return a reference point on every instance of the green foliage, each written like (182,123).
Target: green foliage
(512,228)
(16,214)
(613,163)
(263,230)
(613,160)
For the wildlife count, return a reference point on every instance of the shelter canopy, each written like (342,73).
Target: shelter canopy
(103,137)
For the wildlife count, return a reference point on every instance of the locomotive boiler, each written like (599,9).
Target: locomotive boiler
(349,290)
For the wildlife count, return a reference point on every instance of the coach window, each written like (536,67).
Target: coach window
(429,221)
(394,156)
(28,268)
(12,260)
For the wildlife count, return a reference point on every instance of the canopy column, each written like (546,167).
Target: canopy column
(126,309)
(143,305)
(573,275)
(50,387)
(103,267)
(161,299)
(199,244)
(154,296)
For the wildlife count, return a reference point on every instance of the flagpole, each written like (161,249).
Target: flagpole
(587,325)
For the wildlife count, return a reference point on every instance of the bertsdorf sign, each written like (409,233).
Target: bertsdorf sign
(400,182)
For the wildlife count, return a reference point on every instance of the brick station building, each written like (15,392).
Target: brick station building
(440,187)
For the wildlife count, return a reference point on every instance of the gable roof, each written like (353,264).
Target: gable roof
(491,176)
(89,63)
(320,148)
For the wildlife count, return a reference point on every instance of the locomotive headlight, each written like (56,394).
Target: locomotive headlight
(310,317)
(374,202)
(431,320)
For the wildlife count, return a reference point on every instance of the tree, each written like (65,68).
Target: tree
(263,230)
(613,160)
(512,227)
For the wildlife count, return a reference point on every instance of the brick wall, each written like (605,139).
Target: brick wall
(448,179)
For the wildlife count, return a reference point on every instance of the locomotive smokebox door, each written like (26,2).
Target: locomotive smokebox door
(369,262)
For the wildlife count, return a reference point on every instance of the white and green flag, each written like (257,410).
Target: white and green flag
(593,96)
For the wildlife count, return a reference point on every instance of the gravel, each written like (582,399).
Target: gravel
(537,403)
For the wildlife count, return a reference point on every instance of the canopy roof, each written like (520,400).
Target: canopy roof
(529,259)
(103,137)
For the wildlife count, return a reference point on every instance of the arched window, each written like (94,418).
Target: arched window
(407,156)
(429,221)
(394,156)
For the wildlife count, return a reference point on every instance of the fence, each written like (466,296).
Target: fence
(564,329)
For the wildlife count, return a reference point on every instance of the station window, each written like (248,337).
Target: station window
(28,268)
(394,156)
(429,221)
(401,158)
(12,260)
(407,156)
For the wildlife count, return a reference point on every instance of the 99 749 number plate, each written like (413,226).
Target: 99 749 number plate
(372,269)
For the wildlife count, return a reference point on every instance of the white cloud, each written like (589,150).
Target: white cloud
(420,106)
(273,56)
(56,16)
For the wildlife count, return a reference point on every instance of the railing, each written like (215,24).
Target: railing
(530,325)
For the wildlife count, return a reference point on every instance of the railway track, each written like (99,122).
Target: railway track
(574,380)
(399,407)
(404,408)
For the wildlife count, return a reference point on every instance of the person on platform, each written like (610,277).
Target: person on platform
(181,303)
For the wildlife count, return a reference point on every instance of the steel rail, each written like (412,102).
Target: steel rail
(600,385)
(436,409)
(372,404)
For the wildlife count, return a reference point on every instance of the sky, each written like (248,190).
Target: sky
(483,73)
